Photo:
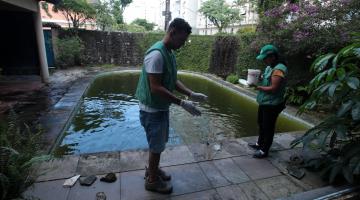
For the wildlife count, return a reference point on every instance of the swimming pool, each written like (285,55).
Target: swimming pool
(108,117)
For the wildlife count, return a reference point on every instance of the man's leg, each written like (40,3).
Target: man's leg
(154,159)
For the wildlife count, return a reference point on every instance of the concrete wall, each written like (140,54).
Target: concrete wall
(118,48)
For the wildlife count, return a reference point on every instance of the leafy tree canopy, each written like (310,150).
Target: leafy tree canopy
(220,13)
(142,22)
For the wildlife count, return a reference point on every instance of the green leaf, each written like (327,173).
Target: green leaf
(348,174)
(353,82)
(355,112)
(357,52)
(340,73)
(341,131)
(330,74)
(335,170)
(332,88)
(357,169)
(320,63)
(345,107)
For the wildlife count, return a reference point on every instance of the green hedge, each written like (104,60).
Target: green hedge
(194,56)
(247,56)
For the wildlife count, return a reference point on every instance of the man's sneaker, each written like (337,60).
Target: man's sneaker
(161,173)
(254,146)
(260,154)
(159,186)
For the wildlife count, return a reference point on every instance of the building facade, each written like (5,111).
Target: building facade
(153,11)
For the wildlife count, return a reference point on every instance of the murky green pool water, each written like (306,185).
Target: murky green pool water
(108,118)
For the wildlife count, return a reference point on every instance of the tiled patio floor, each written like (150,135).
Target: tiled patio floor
(224,175)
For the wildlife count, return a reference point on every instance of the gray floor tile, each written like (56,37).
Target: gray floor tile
(203,152)
(204,195)
(235,148)
(252,191)
(132,187)
(213,174)
(278,187)
(133,160)
(111,190)
(57,168)
(231,171)
(187,179)
(284,139)
(100,163)
(256,168)
(47,190)
(176,155)
(231,192)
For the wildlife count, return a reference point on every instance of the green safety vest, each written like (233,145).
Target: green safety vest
(267,98)
(169,77)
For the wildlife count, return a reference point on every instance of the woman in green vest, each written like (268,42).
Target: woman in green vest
(270,98)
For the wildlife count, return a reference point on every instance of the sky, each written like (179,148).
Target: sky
(144,9)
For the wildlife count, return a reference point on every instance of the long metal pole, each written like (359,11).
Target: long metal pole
(167,13)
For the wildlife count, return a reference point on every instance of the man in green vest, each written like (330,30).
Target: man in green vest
(270,98)
(157,82)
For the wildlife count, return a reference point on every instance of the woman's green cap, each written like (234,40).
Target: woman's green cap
(266,50)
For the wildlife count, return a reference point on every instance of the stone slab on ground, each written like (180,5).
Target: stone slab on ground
(213,174)
(231,171)
(111,190)
(58,168)
(132,187)
(278,187)
(243,191)
(235,148)
(204,195)
(99,163)
(188,178)
(203,152)
(133,160)
(175,155)
(256,168)
(47,190)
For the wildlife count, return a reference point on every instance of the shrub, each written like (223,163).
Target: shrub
(247,55)
(194,55)
(337,138)
(232,78)
(69,51)
(19,149)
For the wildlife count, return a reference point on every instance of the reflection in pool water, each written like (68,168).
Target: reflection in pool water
(108,119)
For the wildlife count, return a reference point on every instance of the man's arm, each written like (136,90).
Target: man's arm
(180,87)
(156,88)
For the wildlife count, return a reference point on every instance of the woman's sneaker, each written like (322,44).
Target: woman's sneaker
(161,173)
(254,146)
(158,185)
(260,154)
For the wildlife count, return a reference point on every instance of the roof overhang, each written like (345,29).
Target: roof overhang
(53,1)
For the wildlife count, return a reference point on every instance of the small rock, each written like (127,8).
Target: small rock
(88,180)
(100,196)
(109,178)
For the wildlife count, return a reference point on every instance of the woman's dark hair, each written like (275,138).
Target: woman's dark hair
(180,24)
(278,59)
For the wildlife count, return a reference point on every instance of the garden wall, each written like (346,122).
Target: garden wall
(220,55)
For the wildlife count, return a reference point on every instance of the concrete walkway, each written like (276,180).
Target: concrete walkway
(199,171)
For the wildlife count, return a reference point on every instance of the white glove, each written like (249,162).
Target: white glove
(190,107)
(198,96)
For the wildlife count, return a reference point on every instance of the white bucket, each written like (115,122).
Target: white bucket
(253,76)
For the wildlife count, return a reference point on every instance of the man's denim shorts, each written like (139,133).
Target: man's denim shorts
(156,125)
